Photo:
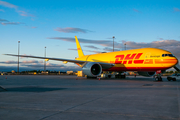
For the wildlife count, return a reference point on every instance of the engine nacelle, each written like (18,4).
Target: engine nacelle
(147,74)
(92,69)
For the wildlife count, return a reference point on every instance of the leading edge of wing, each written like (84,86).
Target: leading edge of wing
(104,65)
(57,59)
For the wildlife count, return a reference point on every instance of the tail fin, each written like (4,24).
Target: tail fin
(80,52)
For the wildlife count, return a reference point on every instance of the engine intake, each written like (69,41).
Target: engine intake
(92,69)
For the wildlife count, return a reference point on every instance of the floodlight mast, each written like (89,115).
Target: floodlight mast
(18,56)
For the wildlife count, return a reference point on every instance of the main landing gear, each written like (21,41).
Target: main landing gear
(158,77)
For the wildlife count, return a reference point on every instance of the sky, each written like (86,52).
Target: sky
(54,23)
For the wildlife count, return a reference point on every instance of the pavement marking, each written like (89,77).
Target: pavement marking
(2,89)
(92,112)
(122,114)
(178,98)
(75,106)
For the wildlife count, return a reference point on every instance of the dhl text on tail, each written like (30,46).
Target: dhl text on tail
(146,61)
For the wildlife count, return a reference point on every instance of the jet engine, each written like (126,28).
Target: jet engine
(147,74)
(92,69)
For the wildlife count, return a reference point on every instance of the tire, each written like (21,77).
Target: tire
(169,79)
(174,79)
(156,79)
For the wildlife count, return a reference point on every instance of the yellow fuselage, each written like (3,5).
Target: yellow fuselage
(145,59)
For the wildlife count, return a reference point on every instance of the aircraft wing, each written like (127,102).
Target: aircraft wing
(104,65)
(57,59)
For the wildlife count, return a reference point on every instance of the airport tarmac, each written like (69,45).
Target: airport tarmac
(54,97)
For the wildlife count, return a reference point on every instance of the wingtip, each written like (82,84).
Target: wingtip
(8,54)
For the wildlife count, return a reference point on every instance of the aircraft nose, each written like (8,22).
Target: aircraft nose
(169,62)
(176,61)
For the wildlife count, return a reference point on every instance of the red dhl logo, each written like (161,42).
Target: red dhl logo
(122,59)
(79,49)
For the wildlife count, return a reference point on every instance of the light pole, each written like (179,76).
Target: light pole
(125,46)
(45,60)
(18,56)
(113,43)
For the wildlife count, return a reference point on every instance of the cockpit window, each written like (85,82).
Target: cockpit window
(170,55)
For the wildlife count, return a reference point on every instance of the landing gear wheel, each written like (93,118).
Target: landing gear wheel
(158,79)
(169,79)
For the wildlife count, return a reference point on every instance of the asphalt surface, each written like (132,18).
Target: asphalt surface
(42,97)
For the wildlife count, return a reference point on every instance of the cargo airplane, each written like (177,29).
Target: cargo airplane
(146,61)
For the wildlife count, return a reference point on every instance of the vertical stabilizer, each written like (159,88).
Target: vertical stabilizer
(80,52)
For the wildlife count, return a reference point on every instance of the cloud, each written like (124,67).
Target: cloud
(35,65)
(91,46)
(170,45)
(9,62)
(9,5)
(3,20)
(31,61)
(2,10)
(71,30)
(11,23)
(135,10)
(23,62)
(28,68)
(155,44)
(98,42)
(110,49)
(6,22)
(33,27)
(72,49)
(41,65)
(93,51)
(130,44)
(23,13)
(176,10)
